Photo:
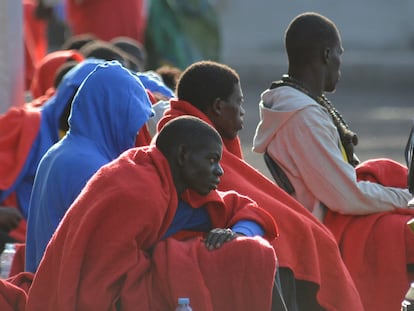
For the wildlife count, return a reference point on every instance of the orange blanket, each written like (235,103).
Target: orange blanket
(105,252)
(304,245)
(374,247)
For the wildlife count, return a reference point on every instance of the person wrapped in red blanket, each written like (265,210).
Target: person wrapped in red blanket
(12,298)
(212,92)
(135,238)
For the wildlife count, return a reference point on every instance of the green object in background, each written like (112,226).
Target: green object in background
(180,32)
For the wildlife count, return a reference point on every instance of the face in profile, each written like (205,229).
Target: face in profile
(201,169)
(334,66)
(230,121)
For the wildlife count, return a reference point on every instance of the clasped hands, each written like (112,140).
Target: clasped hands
(218,236)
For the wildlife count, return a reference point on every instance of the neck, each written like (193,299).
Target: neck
(298,84)
(309,80)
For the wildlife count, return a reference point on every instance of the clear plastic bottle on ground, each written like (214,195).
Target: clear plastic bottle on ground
(183,304)
(408,302)
(6,260)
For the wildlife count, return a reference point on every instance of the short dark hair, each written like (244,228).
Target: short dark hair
(103,50)
(306,34)
(169,75)
(62,70)
(204,81)
(188,130)
(76,42)
(135,51)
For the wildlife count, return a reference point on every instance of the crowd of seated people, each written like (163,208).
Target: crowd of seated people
(126,188)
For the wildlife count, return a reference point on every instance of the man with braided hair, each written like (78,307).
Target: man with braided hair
(308,139)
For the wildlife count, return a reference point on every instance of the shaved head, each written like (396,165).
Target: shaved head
(187,130)
(307,35)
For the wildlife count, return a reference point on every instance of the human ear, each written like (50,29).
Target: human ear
(216,106)
(182,154)
(326,54)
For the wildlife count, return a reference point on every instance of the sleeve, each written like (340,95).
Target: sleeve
(320,164)
(241,208)
(248,228)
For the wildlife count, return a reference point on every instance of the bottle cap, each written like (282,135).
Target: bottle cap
(183,300)
(9,246)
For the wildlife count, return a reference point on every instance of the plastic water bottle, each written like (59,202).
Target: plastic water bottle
(6,260)
(408,302)
(183,304)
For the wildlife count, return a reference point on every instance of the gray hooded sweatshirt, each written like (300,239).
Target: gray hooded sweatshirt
(301,137)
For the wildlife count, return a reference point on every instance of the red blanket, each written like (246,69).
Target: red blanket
(105,22)
(22,280)
(18,129)
(304,245)
(374,247)
(105,252)
(12,298)
(34,39)
(47,67)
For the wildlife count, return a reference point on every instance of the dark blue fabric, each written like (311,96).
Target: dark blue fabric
(107,112)
(188,218)
(248,228)
(197,219)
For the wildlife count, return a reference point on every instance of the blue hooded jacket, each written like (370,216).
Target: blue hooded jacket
(107,112)
(48,133)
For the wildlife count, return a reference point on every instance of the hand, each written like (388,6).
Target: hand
(217,237)
(9,217)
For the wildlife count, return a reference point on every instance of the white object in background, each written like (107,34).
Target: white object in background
(6,260)
(11,54)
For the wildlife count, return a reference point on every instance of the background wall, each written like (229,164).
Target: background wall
(11,54)
(376,90)
(374,32)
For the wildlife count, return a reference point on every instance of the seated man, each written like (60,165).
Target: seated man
(212,92)
(133,239)
(308,138)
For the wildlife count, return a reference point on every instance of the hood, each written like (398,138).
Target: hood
(153,82)
(276,107)
(109,108)
(53,109)
(44,75)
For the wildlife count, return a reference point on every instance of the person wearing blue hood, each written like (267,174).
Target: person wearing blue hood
(48,133)
(107,112)
(26,133)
